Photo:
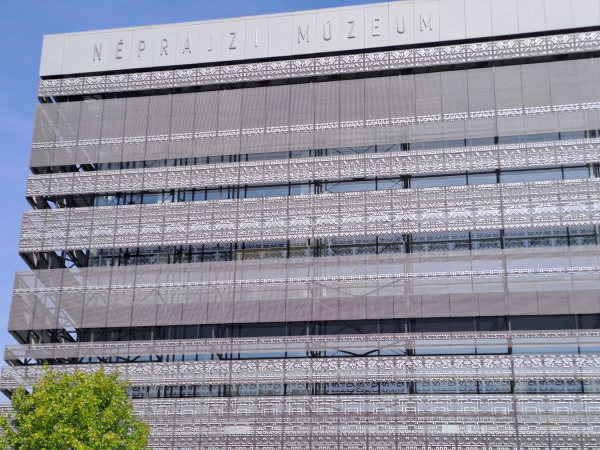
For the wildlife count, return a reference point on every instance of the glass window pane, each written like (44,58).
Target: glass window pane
(388,148)
(520,176)
(478,142)
(301,154)
(276,155)
(267,191)
(576,172)
(213,194)
(443,325)
(454,143)
(300,189)
(254,157)
(390,183)
(482,178)
(112,200)
(349,186)
(432,145)
(530,323)
(504,140)
(570,135)
(150,197)
(437,181)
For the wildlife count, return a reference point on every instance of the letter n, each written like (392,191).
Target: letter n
(97,52)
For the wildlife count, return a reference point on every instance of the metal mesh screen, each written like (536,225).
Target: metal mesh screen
(404,211)
(113,126)
(492,282)
(504,100)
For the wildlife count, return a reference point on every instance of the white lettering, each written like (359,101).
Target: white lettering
(187,45)
(141,47)
(375,27)
(210,47)
(303,36)
(350,35)
(426,24)
(163,48)
(97,52)
(119,49)
(233,34)
(256,38)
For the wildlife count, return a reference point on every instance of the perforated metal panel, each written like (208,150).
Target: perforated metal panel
(459,284)
(423,210)
(229,122)
(159,127)
(90,126)
(482,103)
(253,120)
(509,98)
(136,128)
(113,126)
(352,113)
(278,111)
(473,390)
(302,116)
(67,129)
(411,119)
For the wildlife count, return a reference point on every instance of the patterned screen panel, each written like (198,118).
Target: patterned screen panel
(540,342)
(384,422)
(536,98)
(333,370)
(387,212)
(529,281)
(489,157)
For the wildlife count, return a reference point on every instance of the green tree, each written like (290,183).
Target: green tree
(76,411)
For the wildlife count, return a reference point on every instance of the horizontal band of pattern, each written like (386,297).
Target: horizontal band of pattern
(327,126)
(388,212)
(335,370)
(467,104)
(491,157)
(561,44)
(554,342)
(384,422)
(444,284)
(373,388)
(357,422)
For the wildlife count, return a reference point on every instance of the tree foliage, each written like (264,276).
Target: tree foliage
(76,411)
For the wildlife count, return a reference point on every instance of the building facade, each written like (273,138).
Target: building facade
(358,228)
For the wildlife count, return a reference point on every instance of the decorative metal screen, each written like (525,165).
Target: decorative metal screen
(338,345)
(489,157)
(446,284)
(414,108)
(456,208)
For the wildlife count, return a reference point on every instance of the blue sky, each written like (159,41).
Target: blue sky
(22,25)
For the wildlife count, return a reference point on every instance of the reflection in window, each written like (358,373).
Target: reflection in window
(438,181)
(521,176)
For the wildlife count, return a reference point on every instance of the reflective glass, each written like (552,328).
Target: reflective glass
(438,181)
(521,176)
